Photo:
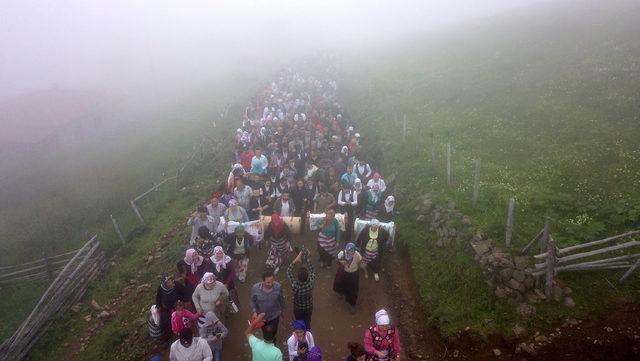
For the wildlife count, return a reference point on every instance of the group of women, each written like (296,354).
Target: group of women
(296,155)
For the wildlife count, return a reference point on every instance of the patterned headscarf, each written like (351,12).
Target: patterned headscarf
(222,263)
(188,259)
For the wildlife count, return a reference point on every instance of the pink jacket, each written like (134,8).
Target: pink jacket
(179,323)
(370,348)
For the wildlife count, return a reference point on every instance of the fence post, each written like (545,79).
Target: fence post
(448,163)
(117,228)
(404,127)
(47,266)
(544,239)
(137,211)
(509,231)
(551,268)
(476,182)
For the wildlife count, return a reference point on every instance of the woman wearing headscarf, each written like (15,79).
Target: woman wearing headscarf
(213,331)
(382,340)
(279,237)
(387,213)
(376,180)
(374,201)
(224,270)
(168,294)
(300,335)
(192,267)
(372,239)
(239,244)
(235,213)
(347,280)
(236,171)
(210,295)
(328,238)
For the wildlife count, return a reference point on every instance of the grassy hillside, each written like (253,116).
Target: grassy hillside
(548,99)
(73,193)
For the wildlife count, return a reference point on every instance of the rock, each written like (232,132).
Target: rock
(523,347)
(104,314)
(481,248)
(608,329)
(572,321)
(519,275)
(500,292)
(506,274)
(76,308)
(420,218)
(519,331)
(427,204)
(466,221)
(456,353)
(540,338)
(531,297)
(557,293)
(525,310)
(569,302)
(417,208)
(528,282)
(497,352)
(520,262)
(567,291)
(87,318)
(451,204)
(514,284)
(96,306)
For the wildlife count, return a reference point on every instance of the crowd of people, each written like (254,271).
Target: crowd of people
(297,166)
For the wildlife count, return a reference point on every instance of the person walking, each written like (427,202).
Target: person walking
(347,280)
(210,295)
(278,237)
(299,336)
(189,348)
(267,297)
(199,219)
(213,331)
(240,243)
(192,267)
(382,340)
(167,296)
(372,240)
(356,352)
(328,238)
(262,350)
(302,285)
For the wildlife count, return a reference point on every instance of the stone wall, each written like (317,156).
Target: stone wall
(507,275)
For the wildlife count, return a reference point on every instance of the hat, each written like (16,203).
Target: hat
(233,202)
(375,223)
(299,325)
(239,229)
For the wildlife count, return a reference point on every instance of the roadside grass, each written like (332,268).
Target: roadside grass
(99,181)
(557,132)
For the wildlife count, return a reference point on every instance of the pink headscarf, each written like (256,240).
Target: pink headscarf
(188,259)
(221,263)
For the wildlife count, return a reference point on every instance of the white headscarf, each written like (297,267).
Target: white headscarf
(389,204)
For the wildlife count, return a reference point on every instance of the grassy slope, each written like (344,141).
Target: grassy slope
(100,180)
(548,101)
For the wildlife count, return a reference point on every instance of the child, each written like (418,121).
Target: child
(181,318)
(211,329)
(357,352)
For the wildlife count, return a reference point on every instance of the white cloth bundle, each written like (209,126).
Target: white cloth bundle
(254,228)
(389,227)
(315,221)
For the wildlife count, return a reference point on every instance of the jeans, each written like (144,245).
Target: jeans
(304,315)
(217,355)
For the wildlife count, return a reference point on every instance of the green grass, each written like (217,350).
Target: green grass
(548,102)
(100,179)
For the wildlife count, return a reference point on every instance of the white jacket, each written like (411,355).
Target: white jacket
(199,351)
(293,344)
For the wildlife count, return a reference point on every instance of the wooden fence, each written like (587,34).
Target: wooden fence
(582,257)
(65,290)
(44,268)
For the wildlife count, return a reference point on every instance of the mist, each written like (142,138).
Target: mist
(128,47)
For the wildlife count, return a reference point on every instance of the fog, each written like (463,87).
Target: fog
(122,45)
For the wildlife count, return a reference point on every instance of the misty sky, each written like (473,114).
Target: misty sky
(101,45)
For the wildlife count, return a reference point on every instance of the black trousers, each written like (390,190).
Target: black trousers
(304,315)
(274,323)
